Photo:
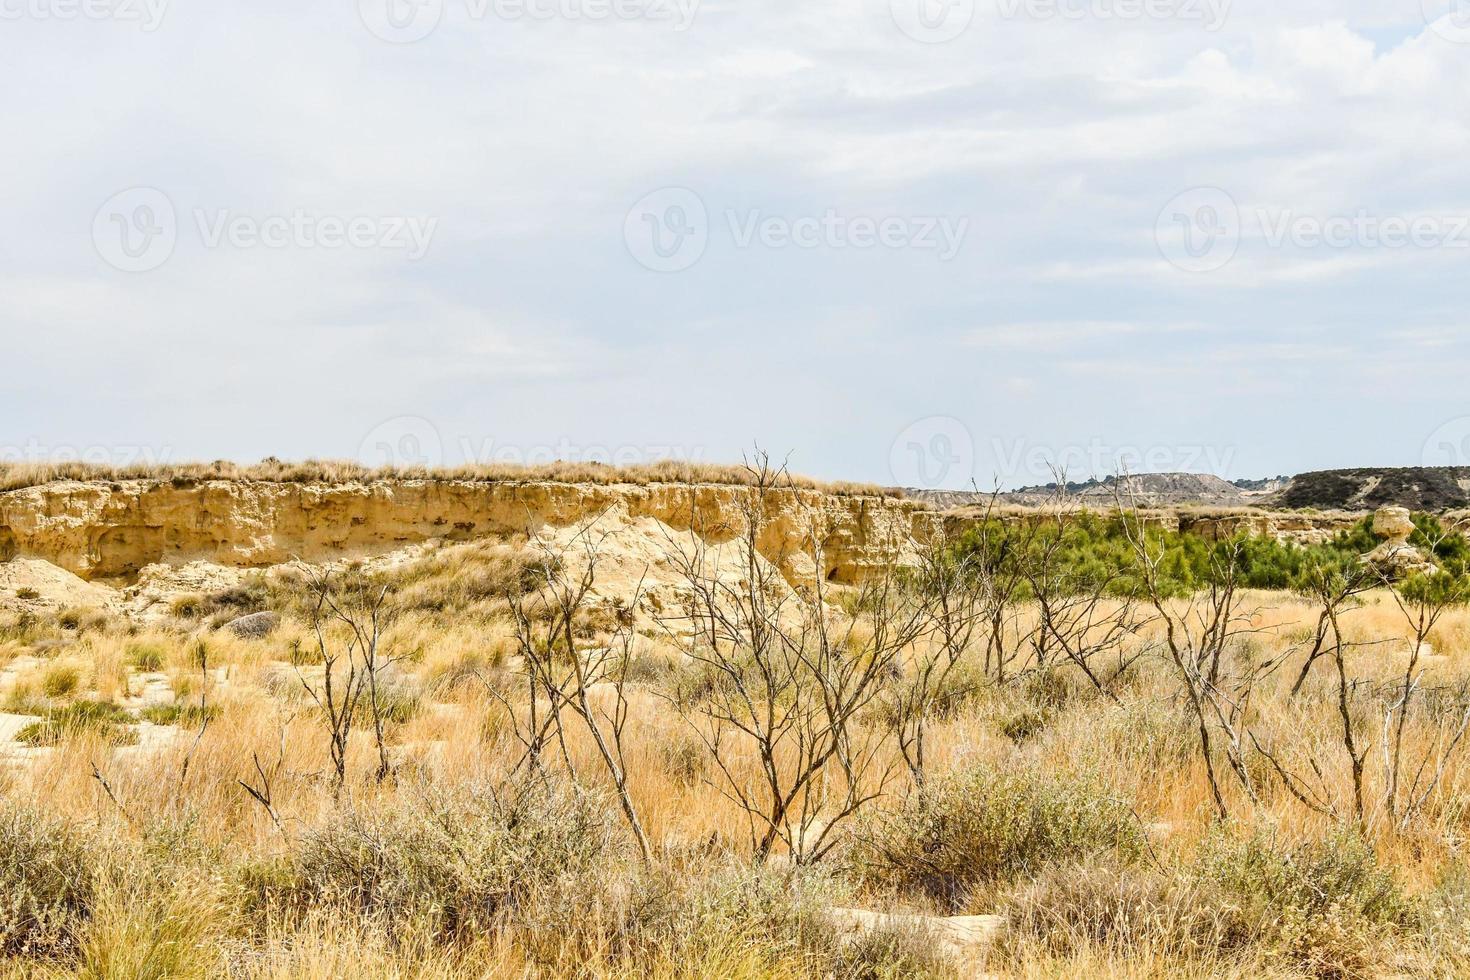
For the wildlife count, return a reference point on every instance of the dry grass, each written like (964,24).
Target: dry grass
(17,476)
(1087,823)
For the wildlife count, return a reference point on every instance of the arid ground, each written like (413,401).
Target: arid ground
(718,728)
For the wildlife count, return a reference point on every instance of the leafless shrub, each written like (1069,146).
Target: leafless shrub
(561,674)
(348,620)
(789,679)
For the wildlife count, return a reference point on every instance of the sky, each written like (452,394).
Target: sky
(916,242)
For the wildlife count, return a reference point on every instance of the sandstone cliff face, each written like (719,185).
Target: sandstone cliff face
(1302,529)
(113,530)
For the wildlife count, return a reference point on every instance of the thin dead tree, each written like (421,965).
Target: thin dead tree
(201,657)
(1201,627)
(263,787)
(998,548)
(567,678)
(948,584)
(789,677)
(1409,782)
(348,620)
(1084,615)
(1335,588)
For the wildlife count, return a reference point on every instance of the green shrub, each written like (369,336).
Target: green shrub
(77,719)
(1092,550)
(1024,724)
(400,699)
(1324,906)
(60,681)
(146,658)
(27,595)
(986,826)
(46,885)
(1048,688)
(183,715)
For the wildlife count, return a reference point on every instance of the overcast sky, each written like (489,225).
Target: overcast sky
(916,242)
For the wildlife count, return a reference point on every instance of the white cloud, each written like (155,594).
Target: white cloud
(1059,141)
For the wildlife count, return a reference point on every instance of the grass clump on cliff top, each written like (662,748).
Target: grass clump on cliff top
(19,476)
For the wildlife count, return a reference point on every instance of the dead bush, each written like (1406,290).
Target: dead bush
(450,866)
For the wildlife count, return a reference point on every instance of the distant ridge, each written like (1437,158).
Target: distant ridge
(1421,488)
(1145,489)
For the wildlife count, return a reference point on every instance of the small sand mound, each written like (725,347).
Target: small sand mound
(30,583)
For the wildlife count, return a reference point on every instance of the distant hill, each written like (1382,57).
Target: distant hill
(1432,489)
(1144,489)
(1417,488)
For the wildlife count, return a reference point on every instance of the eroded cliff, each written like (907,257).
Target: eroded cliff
(100,530)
